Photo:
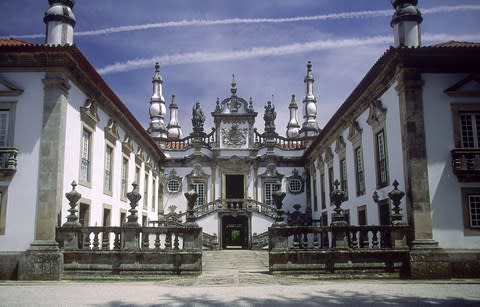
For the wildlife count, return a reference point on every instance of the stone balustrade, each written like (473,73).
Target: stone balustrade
(340,248)
(99,251)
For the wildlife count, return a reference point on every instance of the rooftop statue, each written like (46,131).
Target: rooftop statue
(198,118)
(269,116)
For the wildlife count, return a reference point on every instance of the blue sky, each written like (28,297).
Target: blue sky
(268,58)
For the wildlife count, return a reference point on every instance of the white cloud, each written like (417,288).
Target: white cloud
(204,57)
(232,21)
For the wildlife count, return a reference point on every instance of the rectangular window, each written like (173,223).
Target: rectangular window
(474,210)
(154,193)
(106,217)
(4,123)
(470,129)
(108,167)
(123,218)
(315,196)
(199,188)
(124,179)
(330,182)
(382,163)
(145,192)
(322,191)
(343,177)
(137,174)
(269,188)
(85,155)
(384,212)
(359,172)
(84,215)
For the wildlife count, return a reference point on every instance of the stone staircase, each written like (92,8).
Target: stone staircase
(235,267)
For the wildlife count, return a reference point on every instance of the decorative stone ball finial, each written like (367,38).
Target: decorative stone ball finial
(73,197)
(396,196)
(337,196)
(133,197)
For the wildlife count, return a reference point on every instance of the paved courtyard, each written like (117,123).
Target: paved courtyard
(239,278)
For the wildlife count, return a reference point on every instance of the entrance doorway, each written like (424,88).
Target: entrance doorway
(234,186)
(234,232)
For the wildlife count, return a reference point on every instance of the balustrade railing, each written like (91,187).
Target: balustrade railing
(326,237)
(188,141)
(278,141)
(233,204)
(8,159)
(466,164)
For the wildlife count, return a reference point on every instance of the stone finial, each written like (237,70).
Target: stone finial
(191,197)
(278,197)
(396,196)
(73,197)
(337,197)
(134,197)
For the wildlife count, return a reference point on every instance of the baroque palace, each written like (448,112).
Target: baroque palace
(393,176)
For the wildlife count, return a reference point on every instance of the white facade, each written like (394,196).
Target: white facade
(24,95)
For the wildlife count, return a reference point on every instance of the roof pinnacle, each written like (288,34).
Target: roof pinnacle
(234,86)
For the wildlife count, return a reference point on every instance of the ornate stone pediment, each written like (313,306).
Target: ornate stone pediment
(89,113)
(272,173)
(354,131)
(8,89)
(111,131)
(377,113)
(468,87)
(340,145)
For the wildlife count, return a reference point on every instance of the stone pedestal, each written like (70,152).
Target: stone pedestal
(427,263)
(42,261)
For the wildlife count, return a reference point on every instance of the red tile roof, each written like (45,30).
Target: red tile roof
(13,42)
(82,63)
(456,44)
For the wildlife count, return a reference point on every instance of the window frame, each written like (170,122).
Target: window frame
(268,198)
(10,108)
(381,182)
(457,109)
(343,177)
(87,182)
(201,196)
(359,170)
(468,230)
(108,189)
(124,178)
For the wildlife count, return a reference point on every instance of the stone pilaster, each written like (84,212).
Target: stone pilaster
(427,260)
(43,259)
(414,149)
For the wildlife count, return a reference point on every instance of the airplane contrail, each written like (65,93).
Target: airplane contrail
(231,21)
(209,56)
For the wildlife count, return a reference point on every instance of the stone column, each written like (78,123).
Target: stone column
(43,260)
(426,259)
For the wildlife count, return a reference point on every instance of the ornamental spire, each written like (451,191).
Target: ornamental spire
(157,107)
(293,126)
(60,21)
(234,86)
(310,126)
(406,23)
(174,129)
